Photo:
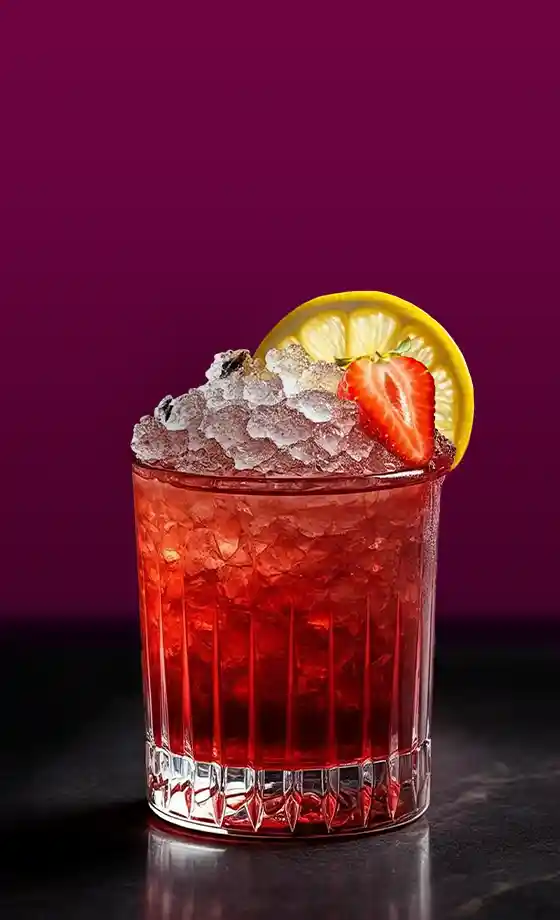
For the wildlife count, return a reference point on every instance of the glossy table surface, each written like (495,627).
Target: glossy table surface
(78,841)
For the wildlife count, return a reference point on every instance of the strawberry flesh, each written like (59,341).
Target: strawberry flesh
(396,398)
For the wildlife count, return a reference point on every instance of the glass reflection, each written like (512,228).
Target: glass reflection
(385,877)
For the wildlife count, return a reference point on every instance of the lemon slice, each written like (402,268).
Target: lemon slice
(359,323)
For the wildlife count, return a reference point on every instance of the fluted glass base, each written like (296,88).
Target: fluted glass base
(355,798)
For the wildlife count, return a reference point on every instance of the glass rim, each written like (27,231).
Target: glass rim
(325,484)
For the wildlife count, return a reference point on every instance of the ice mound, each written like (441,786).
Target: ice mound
(280,418)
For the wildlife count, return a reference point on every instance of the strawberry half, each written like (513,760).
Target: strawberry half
(396,396)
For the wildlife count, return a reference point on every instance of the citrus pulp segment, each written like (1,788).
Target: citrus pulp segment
(356,323)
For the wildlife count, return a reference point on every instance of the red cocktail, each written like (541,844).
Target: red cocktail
(287,517)
(287,631)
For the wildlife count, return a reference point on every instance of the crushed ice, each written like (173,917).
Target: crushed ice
(281,417)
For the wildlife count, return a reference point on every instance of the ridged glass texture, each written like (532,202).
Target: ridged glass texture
(287,635)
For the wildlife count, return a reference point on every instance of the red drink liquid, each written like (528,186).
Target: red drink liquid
(287,648)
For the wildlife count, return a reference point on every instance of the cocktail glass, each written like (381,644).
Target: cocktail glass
(287,633)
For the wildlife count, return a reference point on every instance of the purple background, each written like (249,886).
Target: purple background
(171,186)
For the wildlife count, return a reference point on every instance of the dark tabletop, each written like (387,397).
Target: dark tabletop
(78,841)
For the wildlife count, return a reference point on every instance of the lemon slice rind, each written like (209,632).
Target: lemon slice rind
(355,323)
